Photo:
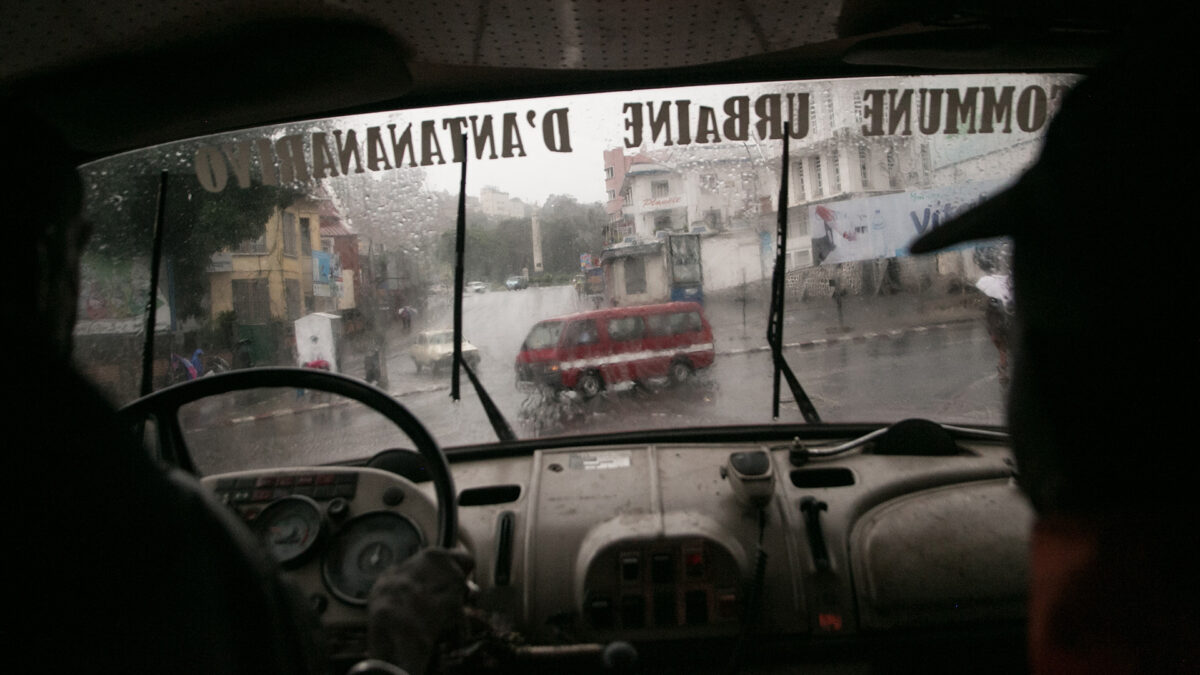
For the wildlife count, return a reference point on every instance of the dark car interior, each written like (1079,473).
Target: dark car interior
(782,548)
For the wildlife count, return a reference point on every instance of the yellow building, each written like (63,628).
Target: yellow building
(271,278)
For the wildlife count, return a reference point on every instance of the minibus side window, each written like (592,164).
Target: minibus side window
(658,325)
(581,333)
(678,323)
(544,335)
(625,328)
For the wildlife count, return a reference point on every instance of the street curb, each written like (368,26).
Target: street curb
(858,337)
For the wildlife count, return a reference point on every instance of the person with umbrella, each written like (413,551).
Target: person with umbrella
(243,357)
(998,290)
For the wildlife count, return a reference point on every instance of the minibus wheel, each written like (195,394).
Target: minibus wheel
(680,372)
(590,384)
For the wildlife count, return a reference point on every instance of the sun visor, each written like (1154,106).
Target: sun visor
(211,81)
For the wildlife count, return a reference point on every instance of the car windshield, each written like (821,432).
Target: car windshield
(656,211)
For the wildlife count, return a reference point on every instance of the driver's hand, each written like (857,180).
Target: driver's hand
(414,604)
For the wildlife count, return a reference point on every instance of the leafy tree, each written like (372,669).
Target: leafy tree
(568,229)
(121,202)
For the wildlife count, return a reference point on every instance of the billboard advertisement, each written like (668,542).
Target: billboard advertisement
(883,227)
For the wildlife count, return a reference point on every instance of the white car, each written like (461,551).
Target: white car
(476,287)
(434,350)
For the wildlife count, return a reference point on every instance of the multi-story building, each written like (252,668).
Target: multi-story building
(344,284)
(616,163)
(729,192)
(270,277)
(497,203)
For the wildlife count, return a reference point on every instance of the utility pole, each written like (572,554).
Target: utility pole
(537,245)
(376,336)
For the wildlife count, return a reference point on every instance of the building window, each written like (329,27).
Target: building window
(926,160)
(612,194)
(635,276)
(863,168)
(608,172)
(818,183)
(251,300)
(798,172)
(254,245)
(712,219)
(893,172)
(291,296)
(708,183)
(836,171)
(305,236)
(289,234)
(662,222)
(802,258)
(660,188)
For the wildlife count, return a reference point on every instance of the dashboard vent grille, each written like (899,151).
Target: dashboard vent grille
(493,494)
(822,478)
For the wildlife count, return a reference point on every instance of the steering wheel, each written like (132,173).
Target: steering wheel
(163,406)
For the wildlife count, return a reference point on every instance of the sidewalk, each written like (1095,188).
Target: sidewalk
(816,322)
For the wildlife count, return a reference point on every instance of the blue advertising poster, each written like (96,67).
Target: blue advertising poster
(322,267)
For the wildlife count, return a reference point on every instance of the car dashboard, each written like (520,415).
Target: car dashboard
(755,553)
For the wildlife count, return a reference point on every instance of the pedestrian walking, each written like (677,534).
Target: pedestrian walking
(242,356)
(998,315)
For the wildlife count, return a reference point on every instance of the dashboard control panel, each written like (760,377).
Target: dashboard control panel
(662,584)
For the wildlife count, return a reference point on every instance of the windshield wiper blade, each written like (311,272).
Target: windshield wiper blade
(775,323)
(160,209)
(503,431)
(500,425)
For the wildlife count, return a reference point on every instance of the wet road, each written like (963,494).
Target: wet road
(947,373)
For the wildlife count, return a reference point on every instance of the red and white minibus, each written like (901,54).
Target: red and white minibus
(591,351)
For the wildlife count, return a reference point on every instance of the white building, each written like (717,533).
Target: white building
(497,203)
(729,192)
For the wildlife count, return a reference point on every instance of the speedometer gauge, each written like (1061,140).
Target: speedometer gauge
(290,527)
(363,549)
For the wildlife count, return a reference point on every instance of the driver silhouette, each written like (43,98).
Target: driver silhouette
(127,566)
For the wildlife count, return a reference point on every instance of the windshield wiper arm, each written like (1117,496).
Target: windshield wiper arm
(503,431)
(775,323)
(160,209)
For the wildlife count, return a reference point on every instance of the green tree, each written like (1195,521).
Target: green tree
(121,202)
(570,229)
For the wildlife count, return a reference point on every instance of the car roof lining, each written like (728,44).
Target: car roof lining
(249,68)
